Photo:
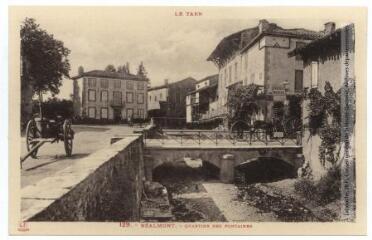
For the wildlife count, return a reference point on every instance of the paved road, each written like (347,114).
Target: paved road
(52,157)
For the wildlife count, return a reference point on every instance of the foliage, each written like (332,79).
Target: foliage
(110,68)
(325,120)
(94,121)
(242,102)
(324,191)
(294,107)
(54,107)
(80,70)
(44,59)
(316,110)
(141,71)
(124,68)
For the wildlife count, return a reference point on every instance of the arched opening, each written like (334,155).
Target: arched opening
(186,169)
(264,169)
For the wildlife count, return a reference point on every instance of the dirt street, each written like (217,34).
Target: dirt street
(52,157)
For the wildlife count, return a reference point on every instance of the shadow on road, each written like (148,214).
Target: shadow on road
(57,159)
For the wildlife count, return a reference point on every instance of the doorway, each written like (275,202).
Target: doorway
(117,115)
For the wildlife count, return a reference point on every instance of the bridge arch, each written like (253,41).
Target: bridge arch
(265,169)
(184,169)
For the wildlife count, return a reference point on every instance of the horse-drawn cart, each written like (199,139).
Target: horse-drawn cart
(41,130)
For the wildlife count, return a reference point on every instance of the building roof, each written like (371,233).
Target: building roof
(213,83)
(329,45)
(275,30)
(115,75)
(169,84)
(231,44)
(243,40)
(212,78)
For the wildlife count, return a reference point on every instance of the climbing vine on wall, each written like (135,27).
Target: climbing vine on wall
(242,102)
(325,120)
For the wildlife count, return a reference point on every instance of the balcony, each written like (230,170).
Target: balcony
(116,103)
(213,112)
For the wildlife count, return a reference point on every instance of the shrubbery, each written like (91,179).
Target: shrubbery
(86,120)
(325,190)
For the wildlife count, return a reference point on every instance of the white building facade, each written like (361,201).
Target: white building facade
(109,95)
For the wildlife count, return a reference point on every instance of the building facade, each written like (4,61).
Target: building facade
(202,103)
(167,103)
(258,56)
(110,95)
(328,59)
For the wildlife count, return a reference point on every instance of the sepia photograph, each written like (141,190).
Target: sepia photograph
(187,120)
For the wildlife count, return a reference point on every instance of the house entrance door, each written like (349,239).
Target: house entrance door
(117,115)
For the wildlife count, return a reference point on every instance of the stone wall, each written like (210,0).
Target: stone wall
(106,186)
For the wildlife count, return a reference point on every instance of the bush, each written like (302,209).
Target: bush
(53,107)
(306,188)
(86,120)
(329,186)
(325,190)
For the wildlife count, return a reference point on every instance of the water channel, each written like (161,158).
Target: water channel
(196,194)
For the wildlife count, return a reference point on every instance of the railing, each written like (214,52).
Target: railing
(217,137)
(214,112)
(116,103)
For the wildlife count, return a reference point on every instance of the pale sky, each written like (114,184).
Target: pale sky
(171,47)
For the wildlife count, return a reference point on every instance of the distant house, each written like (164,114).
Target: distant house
(328,59)
(201,104)
(258,56)
(110,95)
(167,102)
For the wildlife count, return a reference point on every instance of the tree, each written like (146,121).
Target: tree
(141,71)
(80,70)
(110,68)
(242,102)
(53,107)
(44,60)
(122,69)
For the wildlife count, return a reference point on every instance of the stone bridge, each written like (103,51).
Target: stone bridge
(226,157)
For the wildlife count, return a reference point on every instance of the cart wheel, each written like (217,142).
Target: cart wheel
(68,136)
(31,134)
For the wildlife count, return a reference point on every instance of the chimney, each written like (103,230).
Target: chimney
(329,27)
(166,82)
(263,25)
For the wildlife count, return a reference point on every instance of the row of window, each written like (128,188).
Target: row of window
(231,72)
(92,113)
(156,97)
(116,96)
(205,83)
(104,83)
(228,72)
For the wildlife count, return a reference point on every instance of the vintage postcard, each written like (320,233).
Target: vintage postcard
(187,120)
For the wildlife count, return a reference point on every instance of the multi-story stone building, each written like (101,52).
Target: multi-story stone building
(110,95)
(167,103)
(258,55)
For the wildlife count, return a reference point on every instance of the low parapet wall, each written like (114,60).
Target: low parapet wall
(105,186)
